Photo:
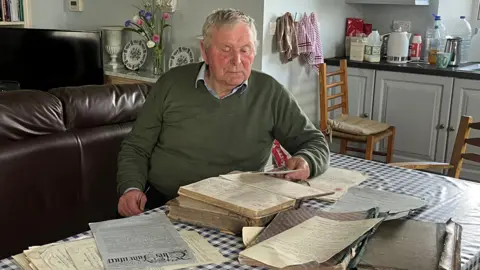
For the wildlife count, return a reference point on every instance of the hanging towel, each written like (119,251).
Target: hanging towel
(309,41)
(286,33)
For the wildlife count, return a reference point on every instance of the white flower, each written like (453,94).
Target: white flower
(150,44)
(136,18)
(143,34)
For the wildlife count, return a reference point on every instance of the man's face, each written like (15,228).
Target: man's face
(231,54)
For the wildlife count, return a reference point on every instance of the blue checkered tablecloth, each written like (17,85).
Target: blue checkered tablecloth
(447,197)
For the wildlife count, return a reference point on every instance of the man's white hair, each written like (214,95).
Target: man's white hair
(222,17)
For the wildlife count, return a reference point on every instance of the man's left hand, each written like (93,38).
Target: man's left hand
(300,164)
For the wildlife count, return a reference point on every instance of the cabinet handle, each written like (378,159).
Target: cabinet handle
(451,129)
(365,115)
(441,126)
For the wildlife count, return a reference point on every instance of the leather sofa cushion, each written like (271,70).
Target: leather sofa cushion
(99,151)
(98,105)
(29,113)
(40,185)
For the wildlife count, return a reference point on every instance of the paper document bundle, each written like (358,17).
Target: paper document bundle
(242,199)
(123,244)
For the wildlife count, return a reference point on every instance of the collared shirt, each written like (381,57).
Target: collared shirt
(201,77)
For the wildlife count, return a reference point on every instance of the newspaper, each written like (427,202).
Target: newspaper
(140,242)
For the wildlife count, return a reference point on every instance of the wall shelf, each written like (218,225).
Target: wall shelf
(26,17)
(390,2)
(12,23)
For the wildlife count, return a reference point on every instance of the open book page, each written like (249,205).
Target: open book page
(276,185)
(291,218)
(338,180)
(237,197)
(250,233)
(316,239)
(363,198)
(405,244)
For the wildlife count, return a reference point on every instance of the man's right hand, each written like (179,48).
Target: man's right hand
(132,203)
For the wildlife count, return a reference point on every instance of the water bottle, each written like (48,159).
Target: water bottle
(463,29)
(443,31)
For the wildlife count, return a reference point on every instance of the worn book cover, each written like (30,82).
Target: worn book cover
(184,209)
(411,244)
(251,195)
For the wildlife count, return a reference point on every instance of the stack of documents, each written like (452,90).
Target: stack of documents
(140,242)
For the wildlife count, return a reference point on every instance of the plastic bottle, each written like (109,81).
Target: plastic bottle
(463,29)
(434,46)
(430,31)
(474,52)
(373,47)
(416,47)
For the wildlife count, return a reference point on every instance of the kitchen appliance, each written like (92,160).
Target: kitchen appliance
(454,47)
(397,48)
(384,45)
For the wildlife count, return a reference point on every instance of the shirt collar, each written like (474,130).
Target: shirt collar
(201,77)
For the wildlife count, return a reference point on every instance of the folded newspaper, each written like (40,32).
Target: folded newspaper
(140,242)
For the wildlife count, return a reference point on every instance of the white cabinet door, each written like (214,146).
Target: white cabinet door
(360,96)
(466,101)
(419,107)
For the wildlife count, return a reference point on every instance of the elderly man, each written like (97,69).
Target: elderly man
(210,118)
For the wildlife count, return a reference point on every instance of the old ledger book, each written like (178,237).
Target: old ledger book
(410,244)
(309,245)
(184,209)
(250,194)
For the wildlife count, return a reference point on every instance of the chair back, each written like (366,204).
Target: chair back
(462,140)
(324,93)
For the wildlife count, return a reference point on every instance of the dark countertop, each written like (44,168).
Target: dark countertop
(416,68)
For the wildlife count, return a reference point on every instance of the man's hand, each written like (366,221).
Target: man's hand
(297,163)
(132,203)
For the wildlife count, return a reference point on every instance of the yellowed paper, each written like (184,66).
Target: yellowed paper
(203,251)
(276,185)
(22,261)
(338,180)
(316,239)
(33,254)
(249,233)
(237,194)
(84,254)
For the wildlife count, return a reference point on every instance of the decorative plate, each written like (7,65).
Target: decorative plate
(134,54)
(181,56)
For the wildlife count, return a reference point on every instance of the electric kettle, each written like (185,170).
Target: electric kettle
(397,48)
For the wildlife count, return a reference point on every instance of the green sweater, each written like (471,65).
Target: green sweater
(184,134)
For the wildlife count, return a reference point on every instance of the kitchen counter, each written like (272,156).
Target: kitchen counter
(413,67)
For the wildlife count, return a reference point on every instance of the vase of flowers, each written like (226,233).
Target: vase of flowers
(151,26)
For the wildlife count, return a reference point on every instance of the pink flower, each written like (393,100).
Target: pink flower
(166,16)
(156,38)
(140,22)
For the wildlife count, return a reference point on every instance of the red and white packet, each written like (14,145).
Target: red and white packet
(280,155)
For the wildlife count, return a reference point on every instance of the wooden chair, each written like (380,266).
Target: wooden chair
(458,153)
(343,127)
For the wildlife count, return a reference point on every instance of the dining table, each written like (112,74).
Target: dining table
(447,198)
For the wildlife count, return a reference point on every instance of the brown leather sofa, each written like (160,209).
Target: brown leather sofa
(58,154)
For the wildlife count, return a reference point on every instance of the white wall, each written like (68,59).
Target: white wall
(188,20)
(331,15)
(382,16)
